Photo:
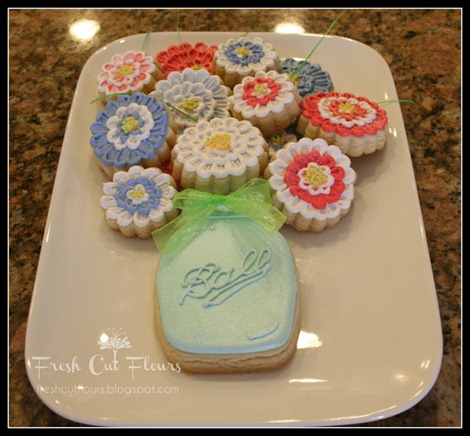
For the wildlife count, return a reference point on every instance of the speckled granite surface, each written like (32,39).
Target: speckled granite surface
(423,50)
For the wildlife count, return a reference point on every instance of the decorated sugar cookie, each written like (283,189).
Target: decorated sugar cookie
(242,57)
(312,184)
(180,57)
(355,124)
(309,78)
(138,201)
(269,100)
(193,96)
(130,72)
(132,130)
(219,155)
(226,290)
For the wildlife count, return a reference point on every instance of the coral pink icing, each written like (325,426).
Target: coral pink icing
(260,91)
(300,163)
(179,57)
(344,113)
(125,72)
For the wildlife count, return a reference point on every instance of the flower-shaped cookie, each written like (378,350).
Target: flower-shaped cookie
(133,71)
(355,124)
(132,130)
(238,58)
(309,78)
(313,184)
(193,96)
(269,100)
(138,201)
(179,57)
(219,155)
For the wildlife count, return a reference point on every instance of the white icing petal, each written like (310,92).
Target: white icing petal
(156,215)
(210,147)
(108,201)
(109,188)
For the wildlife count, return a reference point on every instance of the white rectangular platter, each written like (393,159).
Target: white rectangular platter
(371,342)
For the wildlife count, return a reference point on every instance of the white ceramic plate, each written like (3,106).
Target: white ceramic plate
(371,340)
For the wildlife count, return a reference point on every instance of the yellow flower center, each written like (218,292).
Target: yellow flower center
(137,194)
(221,142)
(130,124)
(315,176)
(243,51)
(189,104)
(125,70)
(347,108)
(197,67)
(261,89)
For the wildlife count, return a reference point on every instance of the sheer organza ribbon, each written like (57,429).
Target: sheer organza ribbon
(252,200)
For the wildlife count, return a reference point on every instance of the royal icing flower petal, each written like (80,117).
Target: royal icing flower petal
(316,180)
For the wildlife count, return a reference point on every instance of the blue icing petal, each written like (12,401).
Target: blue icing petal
(111,108)
(102,117)
(105,149)
(153,192)
(123,100)
(155,139)
(97,128)
(134,158)
(146,150)
(153,105)
(97,140)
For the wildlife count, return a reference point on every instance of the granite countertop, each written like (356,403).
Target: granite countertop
(423,50)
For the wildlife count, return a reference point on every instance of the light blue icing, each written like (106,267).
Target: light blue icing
(231,290)
(114,146)
(216,285)
(312,78)
(264,334)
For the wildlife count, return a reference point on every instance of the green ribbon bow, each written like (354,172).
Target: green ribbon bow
(252,200)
